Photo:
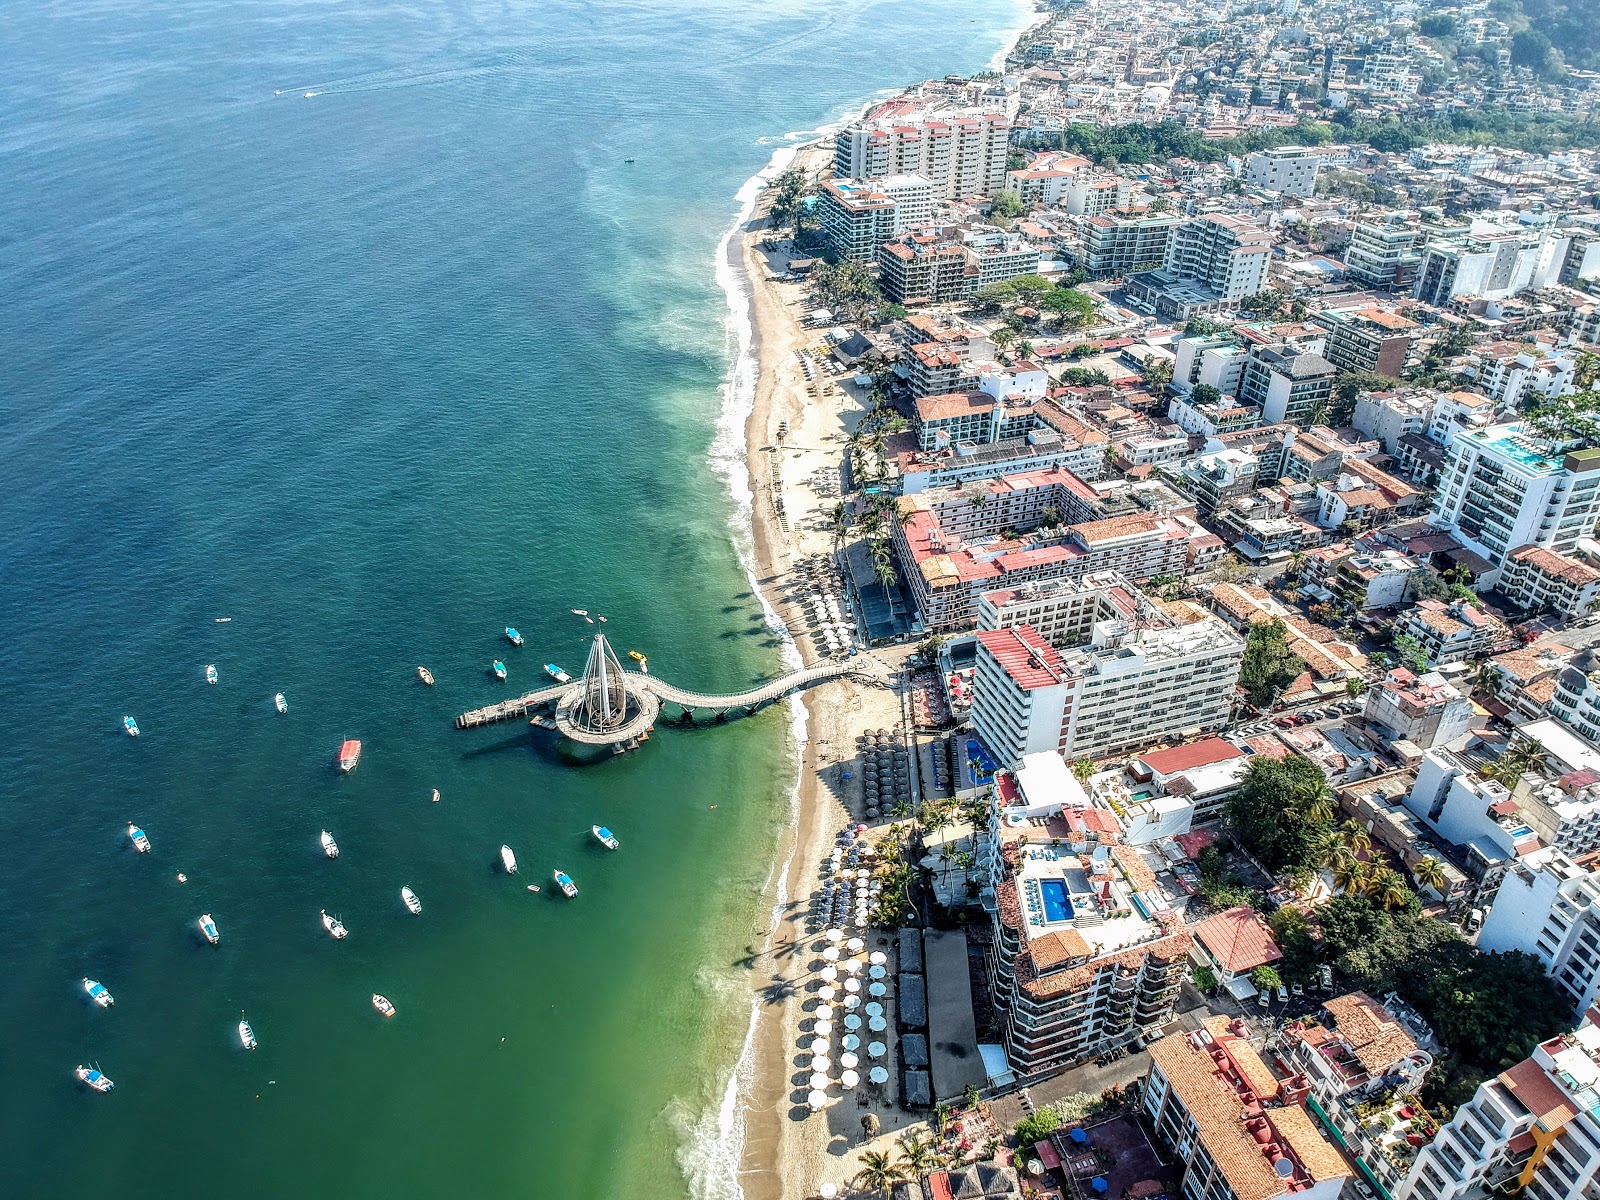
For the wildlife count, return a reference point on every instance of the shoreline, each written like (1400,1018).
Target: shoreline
(780,1157)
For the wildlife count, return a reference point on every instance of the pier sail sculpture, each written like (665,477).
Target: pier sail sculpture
(607,705)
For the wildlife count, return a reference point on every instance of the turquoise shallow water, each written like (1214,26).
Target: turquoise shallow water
(375,374)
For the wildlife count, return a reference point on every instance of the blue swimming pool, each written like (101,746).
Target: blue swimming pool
(1056,905)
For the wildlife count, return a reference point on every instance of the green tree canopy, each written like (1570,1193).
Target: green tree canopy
(1072,308)
(1005,204)
(1281,811)
(1204,393)
(1269,665)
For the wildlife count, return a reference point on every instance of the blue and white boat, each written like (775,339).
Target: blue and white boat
(557,673)
(280,703)
(604,836)
(564,882)
(141,841)
(409,898)
(131,726)
(95,1078)
(513,636)
(97,992)
(208,929)
(211,674)
(499,669)
(247,1036)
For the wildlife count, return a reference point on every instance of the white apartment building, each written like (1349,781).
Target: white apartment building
(1532,1130)
(1508,378)
(1577,695)
(1064,611)
(1384,253)
(1287,384)
(1391,416)
(858,216)
(1536,579)
(1291,170)
(1126,688)
(1490,261)
(1226,254)
(1503,489)
(962,153)
(1450,632)
(1549,907)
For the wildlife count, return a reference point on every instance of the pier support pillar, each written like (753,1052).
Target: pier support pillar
(688,716)
(722,715)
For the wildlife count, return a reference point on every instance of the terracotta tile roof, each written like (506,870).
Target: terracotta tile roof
(1554,564)
(1195,754)
(1549,1105)
(1238,939)
(1112,528)
(1027,658)
(953,404)
(1208,1079)
(1373,1035)
(1053,949)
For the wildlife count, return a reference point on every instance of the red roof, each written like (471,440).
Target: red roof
(1238,939)
(1025,656)
(1195,754)
(1195,841)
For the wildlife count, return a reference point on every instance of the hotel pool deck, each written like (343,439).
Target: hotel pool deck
(1059,890)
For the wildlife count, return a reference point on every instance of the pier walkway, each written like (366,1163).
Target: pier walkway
(651,690)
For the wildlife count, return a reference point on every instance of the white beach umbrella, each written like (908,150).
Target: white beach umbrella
(823,1028)
(827,1190)
(851,1042)
(826,992)
(819,1082)
(834,935)
(876,989)
(855,945)
(852,985)
(849,1061)
(874,1009)
(821,1062)
(876,971)
(876,1049)
(852,966)
(829,972)
(820,1045)
(877,1024)
(849,1079)
(852,1002)
(879,1075)
(862,873)
(816,1100)
(831,954)
(877,958)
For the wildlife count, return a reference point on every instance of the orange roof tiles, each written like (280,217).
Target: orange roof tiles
(1238,939)
(1376,1039)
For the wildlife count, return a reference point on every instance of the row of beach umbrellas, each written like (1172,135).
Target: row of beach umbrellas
(833,967)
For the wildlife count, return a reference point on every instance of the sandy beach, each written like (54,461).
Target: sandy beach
(789,1151)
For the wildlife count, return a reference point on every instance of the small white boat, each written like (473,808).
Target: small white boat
(222,620)
(280,703)
(436,795)
(604,836)
(97,992)
(211,674)
(208,929)
(508,860)
(564,882)
(141,841)
(425,675)
(557,673)
(413,905)
(382,1004)
(329,846)
(334,926)
(247,1036)
(131,726)
(95,1078)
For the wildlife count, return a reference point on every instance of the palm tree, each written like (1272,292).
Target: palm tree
(1388,889)
(1429,873)
(878,1173)
(1350,875)
(1083,769)
(1002,338)
(1318,810)
(1296,563)
(1486,680)
(1360,841)
(917,1155)
(1326,845)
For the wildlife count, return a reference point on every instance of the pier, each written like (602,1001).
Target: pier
(609,706)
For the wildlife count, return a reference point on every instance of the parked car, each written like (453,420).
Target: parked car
(1283,994)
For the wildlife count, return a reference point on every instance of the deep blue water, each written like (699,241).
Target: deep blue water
(376,373)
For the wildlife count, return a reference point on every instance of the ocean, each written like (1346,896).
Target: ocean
(375,328)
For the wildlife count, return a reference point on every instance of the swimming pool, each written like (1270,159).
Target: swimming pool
(1056,905)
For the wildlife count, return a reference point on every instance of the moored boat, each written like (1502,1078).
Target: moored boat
(564,882)
(95,1078)
(247,1036)
(280,703)
(425,675)
(211,673)
(131,726)
(97,992)
(140,840)
(436,795)
(508,860)
(604,836)
(513,636)
(208,929)
(334,926)
(413,905)
(329,846)
(557,673)
(349,754)
(382,1004)
(644,663)
(498,669)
